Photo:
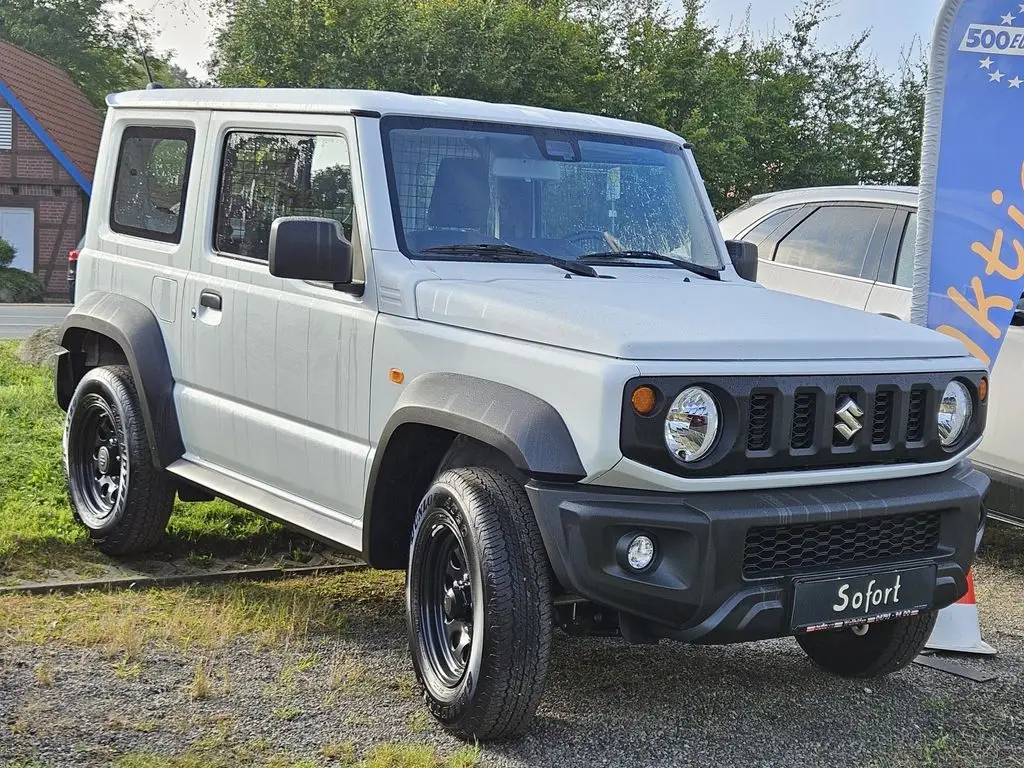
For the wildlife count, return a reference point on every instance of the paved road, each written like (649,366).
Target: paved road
(17,321)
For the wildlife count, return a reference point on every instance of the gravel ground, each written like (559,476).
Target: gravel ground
(606,703)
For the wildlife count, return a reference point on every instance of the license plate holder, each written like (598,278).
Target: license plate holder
(863,598)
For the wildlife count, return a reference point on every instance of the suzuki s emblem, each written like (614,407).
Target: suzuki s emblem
(848,418)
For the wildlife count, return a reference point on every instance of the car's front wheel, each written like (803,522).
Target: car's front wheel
(478,598)
(870,650)
(116,492)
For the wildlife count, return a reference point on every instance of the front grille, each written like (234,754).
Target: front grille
(759,429)
(788,423)
(773,550)
(915,416)
(802,434)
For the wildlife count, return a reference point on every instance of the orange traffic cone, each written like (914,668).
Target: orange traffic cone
(958,629)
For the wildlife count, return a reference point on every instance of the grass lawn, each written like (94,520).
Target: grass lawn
(37,530)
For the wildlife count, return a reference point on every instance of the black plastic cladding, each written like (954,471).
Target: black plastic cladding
(746,416)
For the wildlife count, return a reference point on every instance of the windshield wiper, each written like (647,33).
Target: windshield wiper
(611,256)
(510,253)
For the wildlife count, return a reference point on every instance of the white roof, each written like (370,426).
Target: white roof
(338,101)
(861,193)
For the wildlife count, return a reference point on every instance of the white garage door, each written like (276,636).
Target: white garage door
(17,227)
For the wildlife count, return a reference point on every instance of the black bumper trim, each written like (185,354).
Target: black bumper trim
(696,590)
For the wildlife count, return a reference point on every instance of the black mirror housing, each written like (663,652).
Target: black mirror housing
(310,248)
(744,258)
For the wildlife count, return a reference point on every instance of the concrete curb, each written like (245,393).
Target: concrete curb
(147,582)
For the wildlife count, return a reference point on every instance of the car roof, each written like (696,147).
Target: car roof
(375,104)
(760,206)
(867,193)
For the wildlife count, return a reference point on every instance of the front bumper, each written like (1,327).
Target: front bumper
(701,589)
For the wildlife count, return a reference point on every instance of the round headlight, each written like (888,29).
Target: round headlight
(954,413)
(692,424)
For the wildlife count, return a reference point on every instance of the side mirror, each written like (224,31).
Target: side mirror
(744,258)
(309,248)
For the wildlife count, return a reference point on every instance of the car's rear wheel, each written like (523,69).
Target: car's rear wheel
(478,598)
(116,492)
(870,650)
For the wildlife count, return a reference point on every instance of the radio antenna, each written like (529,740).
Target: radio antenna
(142,52)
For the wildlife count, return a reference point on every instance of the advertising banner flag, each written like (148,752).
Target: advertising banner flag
(969,261)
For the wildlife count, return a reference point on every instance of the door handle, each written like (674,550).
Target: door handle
(210,299)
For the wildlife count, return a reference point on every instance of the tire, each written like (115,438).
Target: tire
(476,558)
(116,492)
(886,647)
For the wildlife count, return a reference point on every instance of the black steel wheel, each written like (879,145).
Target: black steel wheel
(446,599)
(478,600)
(102,466)
(116,492)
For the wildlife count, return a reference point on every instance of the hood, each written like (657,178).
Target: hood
(674,320)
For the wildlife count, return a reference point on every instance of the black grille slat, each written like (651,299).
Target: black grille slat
(881,423)
(771,550)
(916,415)
(759,431)
(802,434)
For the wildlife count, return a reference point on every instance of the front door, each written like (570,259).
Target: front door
(276,372)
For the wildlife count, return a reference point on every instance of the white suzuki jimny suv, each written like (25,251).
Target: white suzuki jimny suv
(506,350)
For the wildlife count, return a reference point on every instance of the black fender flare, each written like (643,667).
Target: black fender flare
(522,426)
(135,329)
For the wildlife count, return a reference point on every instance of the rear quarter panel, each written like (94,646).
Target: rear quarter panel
(150,272)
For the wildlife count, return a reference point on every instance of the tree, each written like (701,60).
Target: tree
(7,253)
(92,40)
(763,115)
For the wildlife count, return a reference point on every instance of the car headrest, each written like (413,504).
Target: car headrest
(461,197)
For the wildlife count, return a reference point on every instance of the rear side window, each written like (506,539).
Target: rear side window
(767,226)
(151,182)
(268,175)
(833,239)
(905,261)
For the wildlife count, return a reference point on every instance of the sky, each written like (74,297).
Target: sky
(894,24)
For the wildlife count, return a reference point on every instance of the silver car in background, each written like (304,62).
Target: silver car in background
(855,246)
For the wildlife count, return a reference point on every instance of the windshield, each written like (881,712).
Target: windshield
(559,193)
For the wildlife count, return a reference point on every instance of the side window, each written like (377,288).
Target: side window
(151,182)
(766,226)
(267,175)
(832,239)
(905,259)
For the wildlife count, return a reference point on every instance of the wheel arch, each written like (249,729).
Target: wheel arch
(106,328)
(435,410)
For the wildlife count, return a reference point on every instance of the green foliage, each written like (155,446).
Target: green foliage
(763,114)
(19,287)
(7,253)
(93,40)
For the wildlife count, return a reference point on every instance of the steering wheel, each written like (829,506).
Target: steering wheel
(605,240)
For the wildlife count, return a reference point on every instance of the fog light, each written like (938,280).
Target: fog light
(640,553)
